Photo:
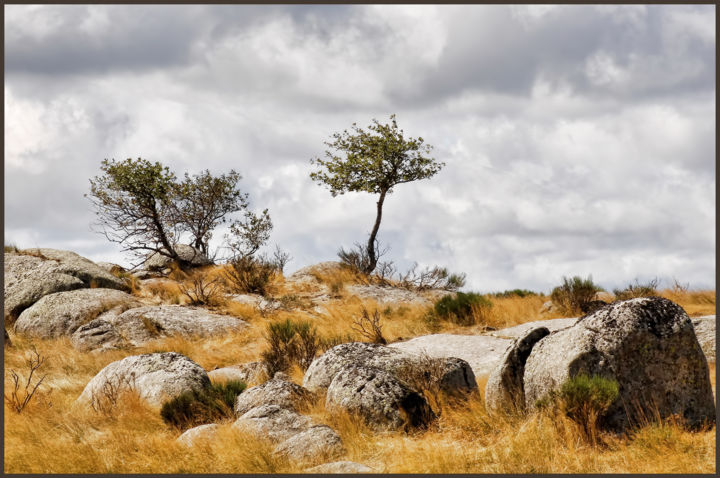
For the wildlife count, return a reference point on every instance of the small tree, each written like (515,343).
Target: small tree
(375,161)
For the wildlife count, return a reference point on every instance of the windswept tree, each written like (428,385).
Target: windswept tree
(142,206)
(374,160)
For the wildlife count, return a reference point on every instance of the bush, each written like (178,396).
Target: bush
(515,293)
(463,308)
(251,275)
(431,278)
(575,295)
(193,408)
(637,290)
(290,343)
(201,289)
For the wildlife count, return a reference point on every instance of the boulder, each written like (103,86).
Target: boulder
(30,275)
(195,257)
(340,467)
(199,433)
(110,267)
(277,391)
(521,330)
(383,401)
(155,377)
(504,390)
(62,313)
(98,335)
(456,375)
(705,333)
(393,295)
(648,345)
(252,372)
(272,422)
(317,442)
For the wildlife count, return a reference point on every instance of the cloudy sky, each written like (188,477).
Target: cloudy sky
(577,139)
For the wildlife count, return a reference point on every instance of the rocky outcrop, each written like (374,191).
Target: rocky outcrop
(155,377)
(383,401)
(504,389)
(31,275)
(317,442)
(199,433)
(648,345)
(340,467)
(195,257)
(273,422)
(454,375)
(140,325)
(278,391)
(250,373)
(62,313)
(705,333)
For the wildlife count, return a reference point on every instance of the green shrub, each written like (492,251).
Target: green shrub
(637,290)
(463,308)
(515,293)
(251,275)
(193,408)
(575,295)
(290,342)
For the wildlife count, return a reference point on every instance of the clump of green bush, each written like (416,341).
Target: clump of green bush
(637,290)
(290,342)
(575,295)
(197,407)
(515,293)
(463,308)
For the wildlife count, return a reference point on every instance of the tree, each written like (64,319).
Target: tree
(247,236)
(375,161)
(143,206)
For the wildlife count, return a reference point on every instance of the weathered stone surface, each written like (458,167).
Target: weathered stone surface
(28,278)
(522,329)
(62,313)
(155,377)
(504,390)
(395,295)
(187,253)
(276,391)
(705,333)
(317,442)
(456,374)
(199,433)
(273,422)
(250,373)
(110,267)
(339,467)
(547,307)
(97,335)
(383,401)
(647,344)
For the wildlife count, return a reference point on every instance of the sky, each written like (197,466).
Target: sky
(577,139)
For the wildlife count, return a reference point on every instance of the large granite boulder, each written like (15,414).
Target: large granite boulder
(195,257)
(30,275)
(62,313)
(273,422)
(278,391)
(140,325)
(380,399)
(155,377)
(454,374)
(648,345)
(505,389)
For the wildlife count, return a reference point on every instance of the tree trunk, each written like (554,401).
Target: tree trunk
(372,253)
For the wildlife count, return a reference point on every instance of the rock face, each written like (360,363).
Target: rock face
(383,401)
(277,391)
(155,377)
(705,333)
(143,324)
(62,313)
(521,330)
(456,374)
(505,388)
(340,467)
(187,253)
(30,277)
(273,422)
(202,432)
(319,441)
(647,345)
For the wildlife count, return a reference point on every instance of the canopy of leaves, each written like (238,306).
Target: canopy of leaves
(374,160)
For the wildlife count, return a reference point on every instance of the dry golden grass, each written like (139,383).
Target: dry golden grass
(52,435)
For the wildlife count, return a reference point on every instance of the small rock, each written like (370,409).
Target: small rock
(277,391)
(250,373)
(337,467)
(317,442)
(273,422)
(187,253)
(199,433)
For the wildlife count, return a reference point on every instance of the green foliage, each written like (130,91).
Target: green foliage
(463,308)
(637,290)
(247,274)
(515,293)
(290,342)
(193,408)
(248,235)
(575,295)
